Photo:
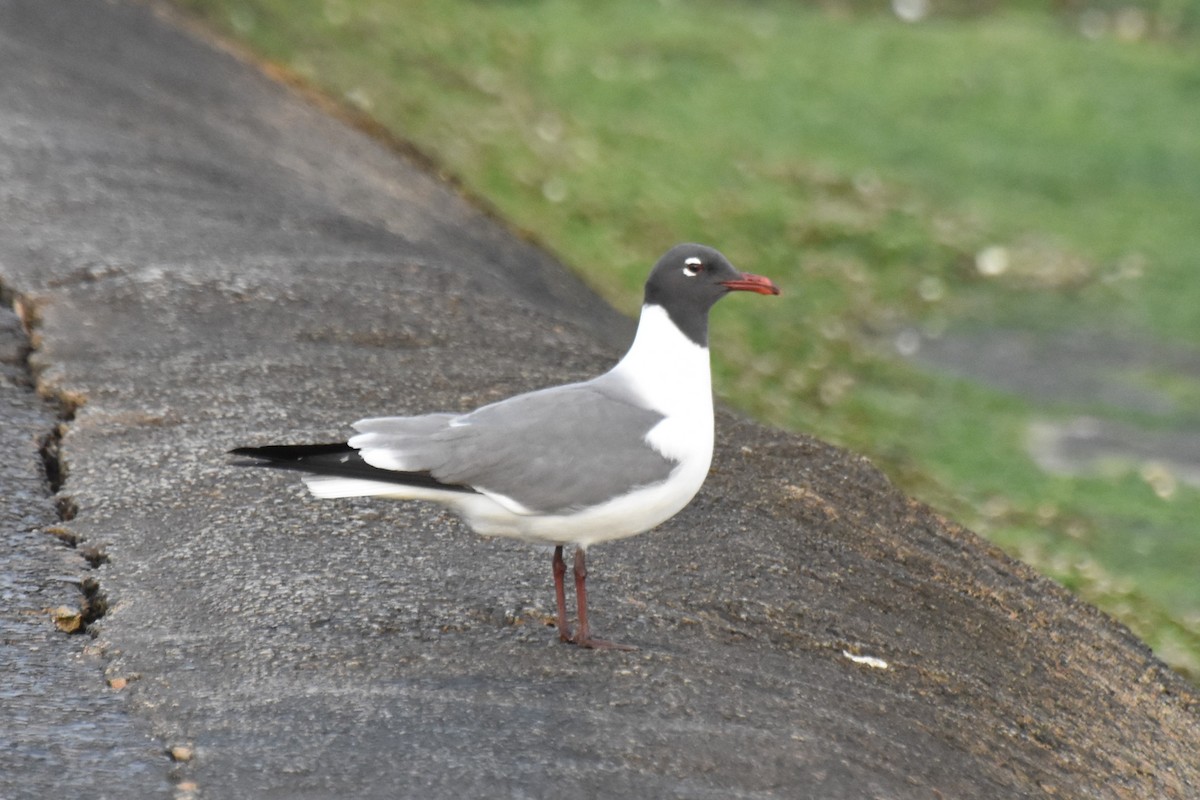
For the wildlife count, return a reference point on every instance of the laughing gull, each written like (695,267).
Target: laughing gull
(574,464)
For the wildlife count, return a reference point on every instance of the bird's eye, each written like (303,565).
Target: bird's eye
(693,267)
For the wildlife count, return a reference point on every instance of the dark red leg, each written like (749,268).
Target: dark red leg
(560,594)
(583,636)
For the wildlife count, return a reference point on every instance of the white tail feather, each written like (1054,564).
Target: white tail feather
(328,486)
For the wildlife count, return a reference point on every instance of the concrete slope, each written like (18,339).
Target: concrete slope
(209,261)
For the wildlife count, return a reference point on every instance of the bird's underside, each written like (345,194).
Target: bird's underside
(340,460)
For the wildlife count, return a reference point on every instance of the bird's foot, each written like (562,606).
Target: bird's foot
(592,643)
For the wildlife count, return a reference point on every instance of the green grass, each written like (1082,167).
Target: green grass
(863,163)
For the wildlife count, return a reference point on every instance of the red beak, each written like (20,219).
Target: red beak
(751,283)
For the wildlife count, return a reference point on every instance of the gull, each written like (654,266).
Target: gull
(576,464)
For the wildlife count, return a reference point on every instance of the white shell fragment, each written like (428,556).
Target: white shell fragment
(870,661)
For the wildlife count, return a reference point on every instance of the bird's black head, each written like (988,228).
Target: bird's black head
(690,278)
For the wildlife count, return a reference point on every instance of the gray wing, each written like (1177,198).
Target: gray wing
(551,451)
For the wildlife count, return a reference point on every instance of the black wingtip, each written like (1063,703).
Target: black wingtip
(338,459)
(291,452)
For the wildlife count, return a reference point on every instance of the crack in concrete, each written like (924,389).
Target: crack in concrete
(68,730)
(93,603)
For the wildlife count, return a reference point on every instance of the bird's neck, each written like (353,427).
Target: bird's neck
(669,369)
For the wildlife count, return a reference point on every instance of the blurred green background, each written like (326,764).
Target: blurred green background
(985,217)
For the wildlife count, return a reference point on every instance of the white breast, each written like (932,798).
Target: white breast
(670,373)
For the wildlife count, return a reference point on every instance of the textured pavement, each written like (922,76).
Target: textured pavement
(206,260)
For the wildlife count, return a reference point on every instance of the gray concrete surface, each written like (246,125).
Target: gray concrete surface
(63,732)
(214,262)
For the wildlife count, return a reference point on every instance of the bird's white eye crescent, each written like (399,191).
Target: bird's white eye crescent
(692,267)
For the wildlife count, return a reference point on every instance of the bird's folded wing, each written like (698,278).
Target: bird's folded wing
(552,451)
